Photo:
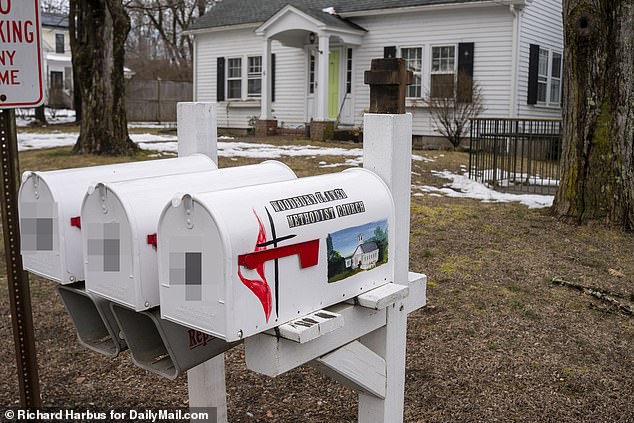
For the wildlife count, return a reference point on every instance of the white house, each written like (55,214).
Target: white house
(291,62)
(57,57)
(365,256)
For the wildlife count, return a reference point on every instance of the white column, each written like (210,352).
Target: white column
(196,129)
(265,98)
(387,151)
(322,78)
(197,133)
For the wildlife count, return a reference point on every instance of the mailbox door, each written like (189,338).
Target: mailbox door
(40,228)
(136,206)
(287,249)
(108,245)
(58,195)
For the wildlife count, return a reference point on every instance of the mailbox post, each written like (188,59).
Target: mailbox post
(362,342)
(387,151)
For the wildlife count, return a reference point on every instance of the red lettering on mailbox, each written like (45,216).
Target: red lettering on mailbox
(197,339)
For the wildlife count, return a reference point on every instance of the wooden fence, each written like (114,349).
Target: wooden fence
(155,100)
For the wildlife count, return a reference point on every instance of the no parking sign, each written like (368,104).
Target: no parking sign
(20,54)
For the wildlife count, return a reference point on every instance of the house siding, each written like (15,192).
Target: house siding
(489,28)
(542,24)
(290,69)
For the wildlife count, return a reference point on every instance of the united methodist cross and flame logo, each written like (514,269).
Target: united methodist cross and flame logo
(307,251)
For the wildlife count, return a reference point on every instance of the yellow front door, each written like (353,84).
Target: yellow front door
(333,84)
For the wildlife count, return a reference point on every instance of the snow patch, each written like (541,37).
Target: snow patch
(463,187)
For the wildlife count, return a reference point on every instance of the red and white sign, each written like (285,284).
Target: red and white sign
(20,58)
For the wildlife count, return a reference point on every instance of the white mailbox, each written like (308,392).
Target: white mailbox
(50,205)
(120,221)
(241,261)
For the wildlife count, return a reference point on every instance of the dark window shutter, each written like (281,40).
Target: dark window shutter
(465,73)
(220,79)
(533,69)
(389,52)
(272,77)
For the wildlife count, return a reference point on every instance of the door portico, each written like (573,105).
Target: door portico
(297,28)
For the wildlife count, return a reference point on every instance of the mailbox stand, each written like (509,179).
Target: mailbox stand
(196,125)
(363,344)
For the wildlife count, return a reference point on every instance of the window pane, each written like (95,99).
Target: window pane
(234,90)
(59,43)
(543,63)
(555,69)
(414,90)
(255,65)
(255,86)
(541,92)
(555,91)
(311,74)
(442,85)
(234,68)
(443,59)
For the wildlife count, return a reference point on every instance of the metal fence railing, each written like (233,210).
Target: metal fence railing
(516,155)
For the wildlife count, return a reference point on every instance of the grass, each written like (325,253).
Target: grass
(497,342)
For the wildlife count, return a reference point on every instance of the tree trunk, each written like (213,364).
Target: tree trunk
(98,59)
(74,26)
(597,181)
(40,116)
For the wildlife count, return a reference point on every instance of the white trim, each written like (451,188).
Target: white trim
(195,72)
(396,10)
(517,16)
(286,9)
(221,28)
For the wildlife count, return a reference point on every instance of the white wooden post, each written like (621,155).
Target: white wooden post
(197,133)
(387,151)
(196,124)
(206,387)
(322,78)
(265,98)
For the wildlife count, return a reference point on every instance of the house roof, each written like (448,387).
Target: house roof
(239,12)
(367,247)
(54,20)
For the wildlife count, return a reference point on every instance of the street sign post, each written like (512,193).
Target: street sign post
(20,54)
(20,86)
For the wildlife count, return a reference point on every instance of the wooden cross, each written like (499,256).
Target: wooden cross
(388,80)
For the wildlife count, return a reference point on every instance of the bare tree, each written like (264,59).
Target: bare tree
(98,32)
(168,19)
(597,181)
(454,105)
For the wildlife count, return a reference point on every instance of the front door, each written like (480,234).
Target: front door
(333,84)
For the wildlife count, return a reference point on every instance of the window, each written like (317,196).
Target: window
(254,76)
(443,71)
(349,72)
(414,60)
(234,78)
(542,76)
(59,43)
(549,77)
(57,80)
(311,73)
(555,79)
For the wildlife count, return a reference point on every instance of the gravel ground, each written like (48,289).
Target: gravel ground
(497,341)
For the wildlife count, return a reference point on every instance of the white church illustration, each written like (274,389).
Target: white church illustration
(365,255)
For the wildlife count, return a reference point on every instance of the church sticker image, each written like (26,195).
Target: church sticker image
(357,249)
